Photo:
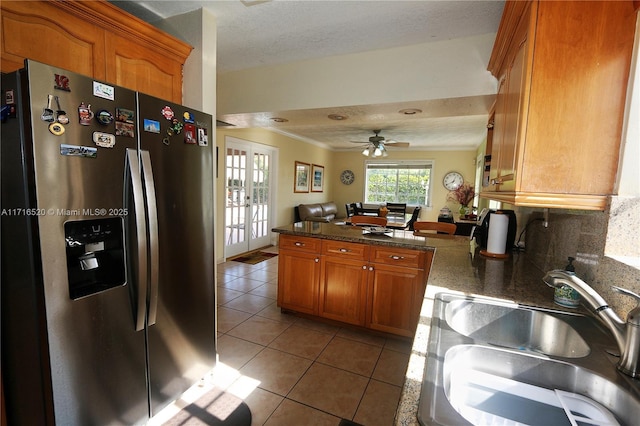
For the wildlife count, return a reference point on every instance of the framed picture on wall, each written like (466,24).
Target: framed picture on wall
(317,176)
(301,177)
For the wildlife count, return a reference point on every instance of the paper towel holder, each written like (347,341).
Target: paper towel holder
(496,254)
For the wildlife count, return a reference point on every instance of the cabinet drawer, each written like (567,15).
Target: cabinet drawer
(398,257)
(294,242)
(344,249)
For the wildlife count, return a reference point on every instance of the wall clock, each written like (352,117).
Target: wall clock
(347,177)
(452,181)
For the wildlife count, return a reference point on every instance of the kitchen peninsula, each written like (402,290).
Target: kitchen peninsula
(452,264)
(352,275)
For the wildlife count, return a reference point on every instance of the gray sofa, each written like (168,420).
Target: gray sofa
(321,212)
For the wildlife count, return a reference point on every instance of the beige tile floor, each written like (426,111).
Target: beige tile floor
(298,371)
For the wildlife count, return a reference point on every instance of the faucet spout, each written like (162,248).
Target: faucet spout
(592,300)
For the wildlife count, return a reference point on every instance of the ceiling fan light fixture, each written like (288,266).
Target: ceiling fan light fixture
(366,151)
(377,152)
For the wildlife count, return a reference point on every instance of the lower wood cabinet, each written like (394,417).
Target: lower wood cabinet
(395,298)
(397,282)
(299,275)
(343,281)
(377,287)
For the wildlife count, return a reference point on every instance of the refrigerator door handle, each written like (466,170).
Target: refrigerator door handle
(133,182)
(152,221)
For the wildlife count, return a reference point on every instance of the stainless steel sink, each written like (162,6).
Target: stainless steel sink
(511,326)
(494,362)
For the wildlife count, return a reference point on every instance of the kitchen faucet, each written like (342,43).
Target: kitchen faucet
(627,335)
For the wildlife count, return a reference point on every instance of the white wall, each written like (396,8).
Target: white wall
(198,28)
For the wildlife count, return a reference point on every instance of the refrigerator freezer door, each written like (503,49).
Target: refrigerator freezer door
(97,358)
(182,341)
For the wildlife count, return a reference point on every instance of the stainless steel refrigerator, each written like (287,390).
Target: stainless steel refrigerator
(108,310)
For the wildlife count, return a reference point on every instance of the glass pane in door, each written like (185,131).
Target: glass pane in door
(260,201)
(236,204)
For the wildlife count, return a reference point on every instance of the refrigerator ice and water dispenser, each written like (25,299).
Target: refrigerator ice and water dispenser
(95,255)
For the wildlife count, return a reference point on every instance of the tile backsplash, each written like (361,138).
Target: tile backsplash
(591,238)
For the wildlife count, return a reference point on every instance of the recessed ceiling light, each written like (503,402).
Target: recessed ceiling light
(249,3)
(279,119)
(410,111)
(337,117)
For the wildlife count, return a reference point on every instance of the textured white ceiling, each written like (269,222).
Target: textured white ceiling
(281,31)
(259,33)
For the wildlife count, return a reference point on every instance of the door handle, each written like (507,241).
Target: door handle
(152,220)
(133,187)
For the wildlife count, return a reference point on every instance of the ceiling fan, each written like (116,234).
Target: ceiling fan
(376,145)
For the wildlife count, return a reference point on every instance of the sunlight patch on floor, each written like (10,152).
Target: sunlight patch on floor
(226,387)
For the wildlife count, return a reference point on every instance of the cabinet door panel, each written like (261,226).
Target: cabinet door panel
(498,130)
(51,37)
(298,276)
(343,288)
(131,65)
(509,112)
(510,140)
(395,297)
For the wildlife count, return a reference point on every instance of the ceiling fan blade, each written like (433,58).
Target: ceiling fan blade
(398,144)
(359,142)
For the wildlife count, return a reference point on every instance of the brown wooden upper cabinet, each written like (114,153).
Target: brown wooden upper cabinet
(96,39)
(562,70)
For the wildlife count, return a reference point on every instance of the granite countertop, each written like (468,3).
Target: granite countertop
(457,267)
(343,232)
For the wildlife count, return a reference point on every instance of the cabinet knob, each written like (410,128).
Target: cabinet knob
(371,268)
(364,267)
(316,260)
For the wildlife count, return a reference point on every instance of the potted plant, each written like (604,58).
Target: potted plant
(463,195)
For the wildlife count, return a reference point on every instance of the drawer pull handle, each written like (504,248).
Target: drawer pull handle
(299,244)
(344,250)
(396,257)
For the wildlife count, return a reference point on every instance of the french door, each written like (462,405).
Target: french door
(248,182)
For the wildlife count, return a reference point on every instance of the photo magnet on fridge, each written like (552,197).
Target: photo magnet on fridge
(190,134)
(203,140)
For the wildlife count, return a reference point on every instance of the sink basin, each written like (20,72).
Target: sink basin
(510,326)
(494,362)
(484,383)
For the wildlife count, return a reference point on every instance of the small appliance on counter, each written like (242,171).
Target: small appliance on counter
(445,215)
(481,231)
